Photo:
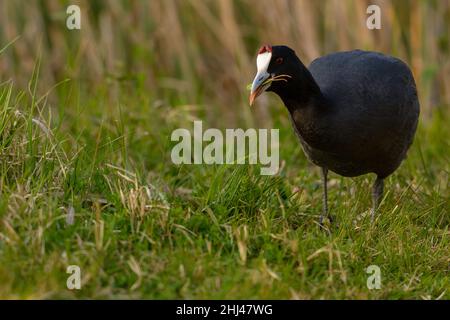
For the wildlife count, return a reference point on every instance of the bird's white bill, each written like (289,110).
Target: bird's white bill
(259,80)
(258,85)
(262,63)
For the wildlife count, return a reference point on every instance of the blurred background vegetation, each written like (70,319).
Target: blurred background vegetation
(86,176)
(202,52)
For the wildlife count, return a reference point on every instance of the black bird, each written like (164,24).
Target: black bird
(354,112)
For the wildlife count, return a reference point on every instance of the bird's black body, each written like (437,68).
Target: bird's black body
(354,112)
(370,113)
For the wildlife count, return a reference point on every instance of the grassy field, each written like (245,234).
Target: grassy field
(86,176)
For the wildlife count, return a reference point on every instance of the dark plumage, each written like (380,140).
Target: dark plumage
(354,112)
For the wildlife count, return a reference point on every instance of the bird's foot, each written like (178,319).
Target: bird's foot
(326,221)
(372,215)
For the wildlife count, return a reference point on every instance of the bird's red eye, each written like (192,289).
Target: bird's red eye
(279,60)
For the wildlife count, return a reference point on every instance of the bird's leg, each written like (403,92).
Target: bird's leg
(377,195)
(325,195)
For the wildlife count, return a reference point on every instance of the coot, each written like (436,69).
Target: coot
(354,112)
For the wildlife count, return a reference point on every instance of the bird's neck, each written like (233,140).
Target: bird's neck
(309,110)
(303,93)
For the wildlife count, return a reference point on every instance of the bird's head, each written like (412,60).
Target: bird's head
(277,67)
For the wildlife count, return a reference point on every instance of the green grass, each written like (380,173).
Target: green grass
(146,228)
(97,146)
